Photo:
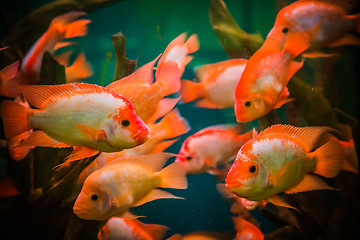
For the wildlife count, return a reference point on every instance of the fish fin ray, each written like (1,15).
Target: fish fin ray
(278,201)
(330,159)
(91,133)
(154,195)
(309,183)
(165,105)
(191,90)
(40,139)
(174,176)
(15,118)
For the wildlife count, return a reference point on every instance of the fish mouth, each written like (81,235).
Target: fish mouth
(141,136)
(232,185)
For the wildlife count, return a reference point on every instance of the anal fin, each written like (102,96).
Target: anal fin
(40,139)
(309,183)
(278,201)
(156,194)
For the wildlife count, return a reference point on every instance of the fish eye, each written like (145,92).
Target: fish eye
(188,158)
(285,30)
(94,197)
(252,169)
(247,104)
(125,123)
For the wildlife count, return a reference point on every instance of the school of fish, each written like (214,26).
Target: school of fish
(131,122)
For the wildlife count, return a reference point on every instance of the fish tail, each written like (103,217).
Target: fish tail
(9,85)
(79,69)
(77,28)
(174,124)
(15,117)
(67,25)
(174,176)
(190,91)
(169,78)
(192,44)
(330,159)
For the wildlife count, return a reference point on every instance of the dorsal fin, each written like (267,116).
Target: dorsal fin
(309,136)
(37,95)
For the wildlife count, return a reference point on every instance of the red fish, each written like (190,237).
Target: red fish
(9,80)
(246,230)
(61,27)
(211,147)
(216,86)
(76,114)
(326,25)
(280,159)
(262,86)
(131,229)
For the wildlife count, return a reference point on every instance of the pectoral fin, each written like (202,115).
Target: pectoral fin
(309,183)
(283,98)
(155,194)
(91,133)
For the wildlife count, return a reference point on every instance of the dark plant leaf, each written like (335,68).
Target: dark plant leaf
(236,42)
(123,65)
(52,72)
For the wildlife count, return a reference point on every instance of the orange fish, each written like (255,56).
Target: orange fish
(125,183)
(326,25)
(280,159)
(146,95)
(262,86)
(170,126)
(78,70)
(75,114)
(18,152)
(9,80)
(211,147)
(61,27)
(216,86)
(131,229)
(246,230)
(178,51)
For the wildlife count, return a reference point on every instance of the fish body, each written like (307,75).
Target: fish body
(146,95)
(78,114)
(211,147)
(325,23)
(280,159)
(127,182)
(61,27)
(216,86)
(130,229)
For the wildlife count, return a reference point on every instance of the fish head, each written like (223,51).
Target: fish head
(193,162)
(247,177)
(124,129)
(92,202)
(249,108)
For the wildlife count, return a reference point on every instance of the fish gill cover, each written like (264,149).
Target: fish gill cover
(37,196)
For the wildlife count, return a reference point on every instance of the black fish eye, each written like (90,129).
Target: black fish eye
(188,158)
(247,104)
(285,30)
(94,197)
(252,169)
(125,123)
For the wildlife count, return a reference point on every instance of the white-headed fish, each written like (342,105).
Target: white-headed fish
(127,182)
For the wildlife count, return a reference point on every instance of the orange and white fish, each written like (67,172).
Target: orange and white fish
(262,86)
(9,80)
(325,23)
(127,182)
(246,230)
(61,27)
(75,114)
(210,147)
(131,229)
(178,51)
(170,126)
(280,159)
(16,150)
(147,96)
(216,86)
(78,70)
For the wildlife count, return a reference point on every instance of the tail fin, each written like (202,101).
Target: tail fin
(77,28)
(174,176)
(9,85)
(330,159)
(190,90)
(66,24)
(15,118)
(79,69)
(192,44)
(174,124)
(168,78)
